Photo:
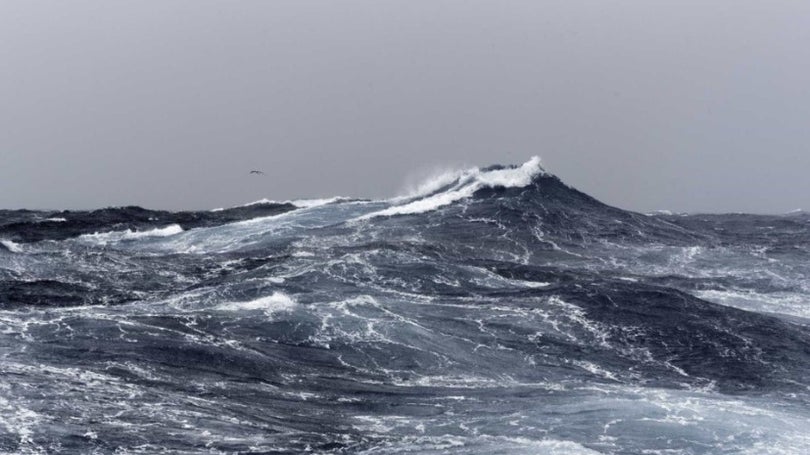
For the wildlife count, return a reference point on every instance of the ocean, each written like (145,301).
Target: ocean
(492,311)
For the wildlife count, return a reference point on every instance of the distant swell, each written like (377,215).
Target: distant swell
(30,226)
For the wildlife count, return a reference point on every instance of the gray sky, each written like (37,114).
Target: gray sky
(681,105)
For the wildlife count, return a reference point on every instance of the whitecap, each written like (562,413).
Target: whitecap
(129,234)
(461,185)
(11,246)
(275,303)
(300,203)
(787,303)
(310,203)
(259,202)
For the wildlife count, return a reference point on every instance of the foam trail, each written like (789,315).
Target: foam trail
(464,184)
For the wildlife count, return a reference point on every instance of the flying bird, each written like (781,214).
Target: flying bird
(257,172)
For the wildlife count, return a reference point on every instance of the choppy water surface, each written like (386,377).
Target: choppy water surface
(496,311)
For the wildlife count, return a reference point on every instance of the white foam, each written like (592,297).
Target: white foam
(157,232)
(300,203)
(56,220)
(11,246)
(595,369)
(533,284)
(453,443)
(427,204)
(18,420)
(310,203)
(793,304)
(549,446)
(278,302)
(260,201)
(129,234)
(466,184)
(434,183)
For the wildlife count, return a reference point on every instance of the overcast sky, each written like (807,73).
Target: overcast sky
(680,105)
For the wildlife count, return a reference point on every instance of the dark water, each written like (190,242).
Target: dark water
(496,311)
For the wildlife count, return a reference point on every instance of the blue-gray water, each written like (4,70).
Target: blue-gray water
(496,311)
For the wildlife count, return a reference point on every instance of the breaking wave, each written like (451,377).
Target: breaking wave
(11,246)
(455,186)
(118,236)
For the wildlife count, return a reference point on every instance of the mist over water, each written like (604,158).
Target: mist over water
(491,310)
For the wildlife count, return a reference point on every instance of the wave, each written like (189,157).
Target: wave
(29,226)
(299,203)
(11,246)
(455,186)
(506,312)
(275,303)
(104,238)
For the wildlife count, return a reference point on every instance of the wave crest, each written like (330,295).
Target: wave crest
(11,246)
(450,187)
(275,303)
(129,234)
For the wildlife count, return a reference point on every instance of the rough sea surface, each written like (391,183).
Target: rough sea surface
(494,310)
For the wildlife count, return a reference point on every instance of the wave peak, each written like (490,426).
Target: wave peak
(454,186)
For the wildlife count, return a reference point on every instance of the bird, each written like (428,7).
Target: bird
(257,172)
